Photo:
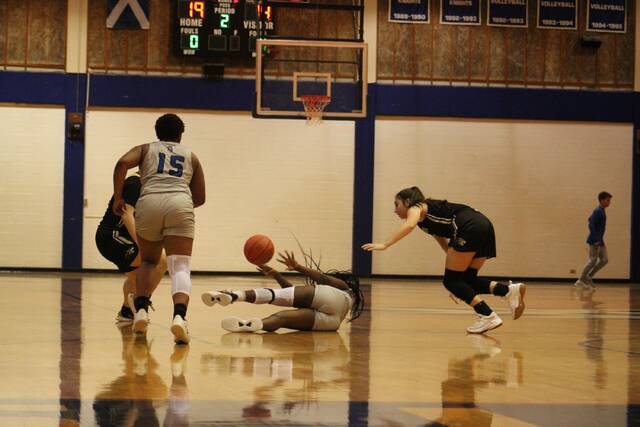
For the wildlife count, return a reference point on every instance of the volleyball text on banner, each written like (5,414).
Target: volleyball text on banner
(409,11)
(559,15)
(609,16)
(514,13)
(128,14)
(453,12)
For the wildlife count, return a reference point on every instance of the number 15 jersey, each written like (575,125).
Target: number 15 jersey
(166,168)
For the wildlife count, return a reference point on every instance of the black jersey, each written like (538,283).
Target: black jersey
(440,218)
(130,194)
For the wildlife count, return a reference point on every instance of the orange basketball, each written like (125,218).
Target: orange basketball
(258,249)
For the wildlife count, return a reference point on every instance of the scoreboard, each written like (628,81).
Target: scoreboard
(218,28)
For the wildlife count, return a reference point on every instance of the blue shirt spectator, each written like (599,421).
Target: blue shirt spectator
(597,225)
(598,256)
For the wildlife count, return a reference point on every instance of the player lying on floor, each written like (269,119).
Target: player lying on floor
(321,304)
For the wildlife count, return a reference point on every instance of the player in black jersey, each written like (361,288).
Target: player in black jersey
(117,241)
(468,238)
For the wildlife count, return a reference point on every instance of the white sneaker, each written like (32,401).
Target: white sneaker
(235,324)
(140,321)
(179,330)
(515,296)
(580,284)
(223,298)
(485,323)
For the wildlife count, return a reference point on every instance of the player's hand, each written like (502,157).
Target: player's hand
(266,270)
(374,247)
(118,206)
(288,260)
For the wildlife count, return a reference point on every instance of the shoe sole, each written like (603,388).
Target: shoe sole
(486,330)
(231,324)
(212,299)
(140,327)
(520,308)
(179,333)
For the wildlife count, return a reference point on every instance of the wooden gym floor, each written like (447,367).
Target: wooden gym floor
(573,359)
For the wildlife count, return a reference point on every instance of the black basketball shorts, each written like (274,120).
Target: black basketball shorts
(474,233)
(117,248)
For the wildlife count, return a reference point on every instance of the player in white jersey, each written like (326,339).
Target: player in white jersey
(321,305)
(172,186)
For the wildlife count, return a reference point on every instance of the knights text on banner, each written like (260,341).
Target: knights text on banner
(409,11)
(460,12)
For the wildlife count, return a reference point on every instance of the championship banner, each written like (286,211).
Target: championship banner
(508,13)
(608,16)
(460,12)
(409,11)
(558,15)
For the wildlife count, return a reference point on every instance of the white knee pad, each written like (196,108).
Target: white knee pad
(178,267)
(283,297)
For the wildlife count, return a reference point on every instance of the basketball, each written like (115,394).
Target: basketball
(258,249)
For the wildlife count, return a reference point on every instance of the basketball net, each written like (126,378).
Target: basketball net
(314,106)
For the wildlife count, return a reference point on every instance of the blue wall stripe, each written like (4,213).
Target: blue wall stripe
(365,136)
(504,103)
(32,88)
(170,92)
(635,193)
(74,102)
(395,100)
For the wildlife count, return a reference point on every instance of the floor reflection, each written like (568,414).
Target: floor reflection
(594,342)
(291,368)
(133,397)
(487,367)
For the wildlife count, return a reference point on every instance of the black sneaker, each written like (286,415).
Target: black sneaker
(125,315)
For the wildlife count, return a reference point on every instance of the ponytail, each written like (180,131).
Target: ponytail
(412,195)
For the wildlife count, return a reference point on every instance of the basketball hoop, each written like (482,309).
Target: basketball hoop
(314,106)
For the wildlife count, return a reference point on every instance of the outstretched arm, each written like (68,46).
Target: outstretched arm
(413,217)
(270,272)
(317,276)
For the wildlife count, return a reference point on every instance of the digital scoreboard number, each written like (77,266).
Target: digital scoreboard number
(215,28)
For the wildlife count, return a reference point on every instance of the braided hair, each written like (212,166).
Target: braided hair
(350,279)
(353,283)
